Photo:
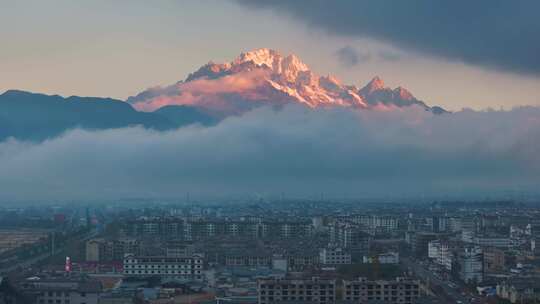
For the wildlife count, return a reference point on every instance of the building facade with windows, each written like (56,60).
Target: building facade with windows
(334,256)
(471,264)
(187,268)
(193,230)
(312,290)
(63,290)
(401,290)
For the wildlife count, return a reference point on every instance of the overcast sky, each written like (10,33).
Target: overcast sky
(452,54)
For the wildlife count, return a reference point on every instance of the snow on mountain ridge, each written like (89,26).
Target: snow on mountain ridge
(264,76)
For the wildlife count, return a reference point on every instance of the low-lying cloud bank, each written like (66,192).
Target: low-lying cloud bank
(339,152)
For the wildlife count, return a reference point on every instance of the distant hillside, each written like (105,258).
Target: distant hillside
(30,116)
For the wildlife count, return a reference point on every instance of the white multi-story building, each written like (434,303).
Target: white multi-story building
(187,267)
(441,253)
(334,256)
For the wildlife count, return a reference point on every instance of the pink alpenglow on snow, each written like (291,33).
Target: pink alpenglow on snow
(265,77)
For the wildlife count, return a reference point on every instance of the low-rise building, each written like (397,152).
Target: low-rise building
(62,290)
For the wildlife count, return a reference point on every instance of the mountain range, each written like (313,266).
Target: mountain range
(261,77)
(265,77)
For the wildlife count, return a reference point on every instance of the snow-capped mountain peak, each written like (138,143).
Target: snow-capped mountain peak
(265,77)
(263,56)
(375,84)
(289,67)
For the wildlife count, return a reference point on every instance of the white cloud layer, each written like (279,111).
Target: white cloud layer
(339,152)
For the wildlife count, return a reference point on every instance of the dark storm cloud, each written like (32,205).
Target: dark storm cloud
(296,151)
(348,56)
(497,34)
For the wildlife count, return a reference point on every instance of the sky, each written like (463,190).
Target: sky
(453,55)
(478,59)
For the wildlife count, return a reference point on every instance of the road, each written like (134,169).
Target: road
(428,276)
(34,260)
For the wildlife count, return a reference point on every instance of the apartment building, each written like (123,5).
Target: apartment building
(350,236)
(186,268)
(253,258)
(377,222)
(494,260)
(420,242)
(312,290)
(471,264)
(334,256)
(493,241)
(193,230)
(401,290)
(102,250)
(441,252)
